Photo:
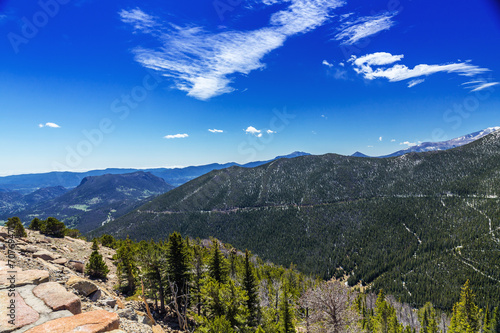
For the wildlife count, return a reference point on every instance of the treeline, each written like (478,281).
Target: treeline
(50,227)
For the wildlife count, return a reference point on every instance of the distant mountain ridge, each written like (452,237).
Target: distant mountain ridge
(27,183)
(435,146)
(98,199)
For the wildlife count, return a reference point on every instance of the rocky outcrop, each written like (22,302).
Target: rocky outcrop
(51,292)
(90,322)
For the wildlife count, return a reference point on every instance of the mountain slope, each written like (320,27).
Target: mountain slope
(416,225)
(99,199)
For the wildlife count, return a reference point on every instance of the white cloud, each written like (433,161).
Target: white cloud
(202,63)
(252,130)
(485,85)
(377,59)
(352,32)
(380,138)
(393,140)
(138,19)
(364,66)
(270,132)
(52,125)
(370,146)
(176,136)
(326,63)
(215,130)
(408,143)
(477,85)
(413,83)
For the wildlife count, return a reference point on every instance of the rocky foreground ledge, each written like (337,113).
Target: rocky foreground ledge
(43,290)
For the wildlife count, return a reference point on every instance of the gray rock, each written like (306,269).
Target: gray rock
(94,297)
(127,313)
(108,302)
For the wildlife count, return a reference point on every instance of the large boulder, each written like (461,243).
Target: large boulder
(57,297)
(89,322)
(83,286)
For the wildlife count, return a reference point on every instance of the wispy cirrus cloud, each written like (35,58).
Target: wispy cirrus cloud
(176,136)
(352,32)
(203,63)
(215,130)
(477,85)
(413,83)
(51,125)
(366,64)
(138,19)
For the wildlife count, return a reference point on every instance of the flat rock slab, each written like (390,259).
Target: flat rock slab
(57,298)
(60,261)
(83,286)
(46,255)
(89,322)
(21,313)
(21,278)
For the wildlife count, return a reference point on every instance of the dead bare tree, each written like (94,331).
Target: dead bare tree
(179,303)
(329,308)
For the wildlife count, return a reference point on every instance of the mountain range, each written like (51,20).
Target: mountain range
(28,183)
(434,146)
(415,225)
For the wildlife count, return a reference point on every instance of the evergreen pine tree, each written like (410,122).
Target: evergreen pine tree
(286,312)
(198,275)
(250,286)
(126,267)
(466,314)
(490,321)
(152,259)
(382,314)
(96,267)
(217,266)
(178,263)
(427,319)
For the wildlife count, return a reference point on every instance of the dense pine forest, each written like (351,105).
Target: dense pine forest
(208,286)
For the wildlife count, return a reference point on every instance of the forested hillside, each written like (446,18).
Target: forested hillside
(418,225)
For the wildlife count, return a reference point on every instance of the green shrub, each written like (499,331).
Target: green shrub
(54,227)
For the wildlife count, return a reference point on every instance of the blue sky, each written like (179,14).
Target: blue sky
(87,84)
